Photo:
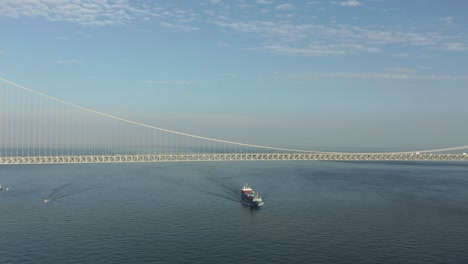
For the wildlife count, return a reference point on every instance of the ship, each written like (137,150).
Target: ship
(250,197)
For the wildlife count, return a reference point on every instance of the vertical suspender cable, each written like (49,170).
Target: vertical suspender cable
(2,119)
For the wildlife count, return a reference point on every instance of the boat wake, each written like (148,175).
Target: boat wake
(226,190)
(65,190)
(219,195)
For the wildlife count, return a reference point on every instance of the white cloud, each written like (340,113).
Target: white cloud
(222,44)
(320,50)
(284,37)
(286,15)
(98,12)
(282,7)
(264,2)
(68,61)
(178,27)
(282,34)
(350,3)
(84,12)
(447,20)
(366,76)
(455,46)
(175,82)
(400,55)
(400,70)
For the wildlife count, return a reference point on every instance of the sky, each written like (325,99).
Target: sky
(342,74)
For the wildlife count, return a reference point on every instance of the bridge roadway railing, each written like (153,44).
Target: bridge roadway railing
(233,157)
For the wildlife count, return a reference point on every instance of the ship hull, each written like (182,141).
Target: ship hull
(248,200)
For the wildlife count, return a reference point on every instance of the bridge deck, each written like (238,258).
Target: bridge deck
(232,157)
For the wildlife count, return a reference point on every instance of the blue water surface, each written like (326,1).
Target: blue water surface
(315,212)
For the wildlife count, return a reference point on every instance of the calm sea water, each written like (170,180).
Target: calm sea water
(315,212)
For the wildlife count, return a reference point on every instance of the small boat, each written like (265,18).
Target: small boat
(1,187)
(250,197)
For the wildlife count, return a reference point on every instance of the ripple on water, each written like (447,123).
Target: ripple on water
(321,212)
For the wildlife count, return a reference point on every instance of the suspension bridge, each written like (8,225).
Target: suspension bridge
(36,128)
